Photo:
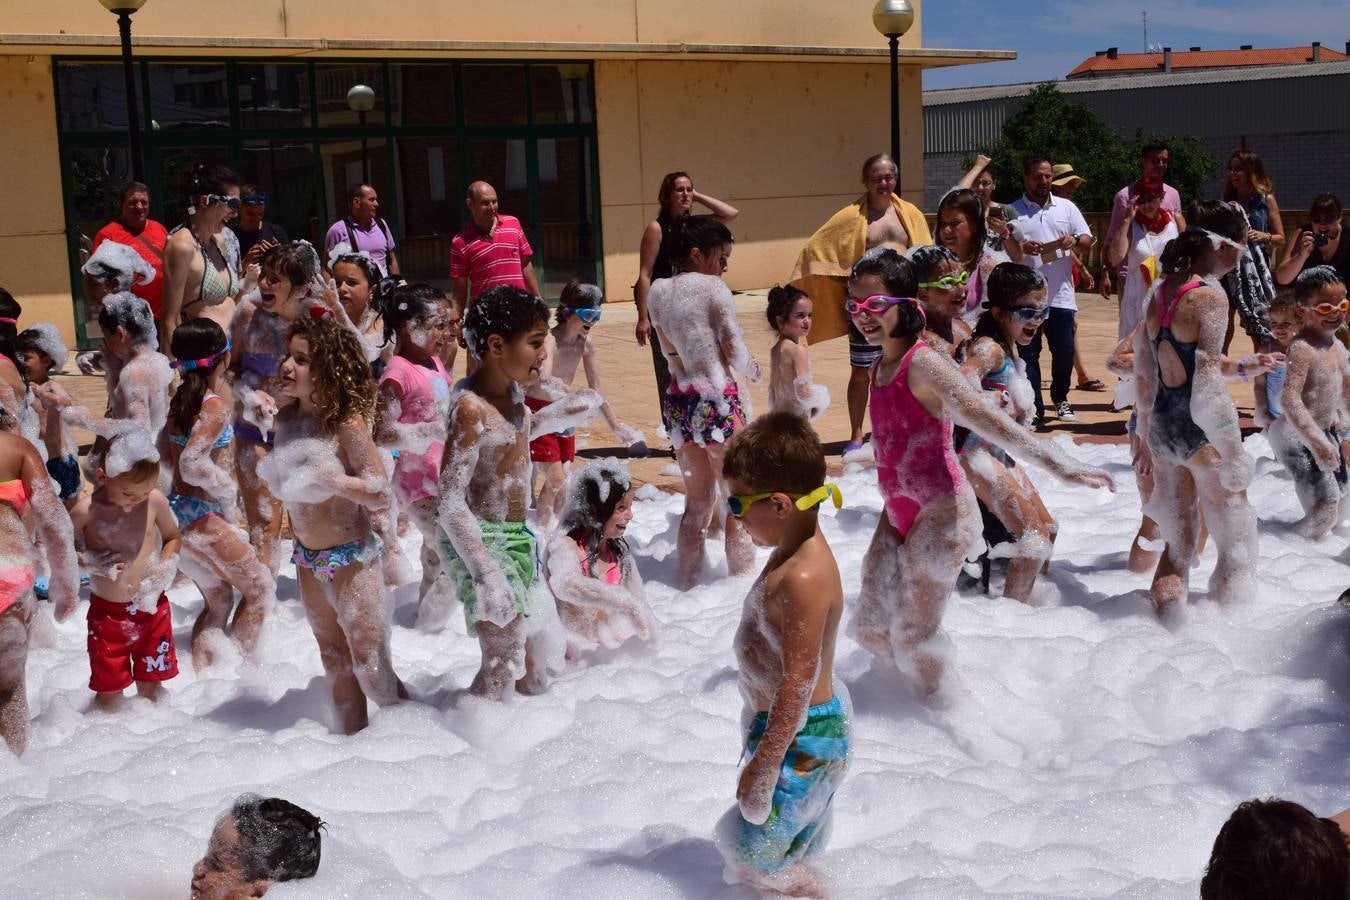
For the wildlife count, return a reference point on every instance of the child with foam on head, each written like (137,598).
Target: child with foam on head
(112,268)
(569,345)
(27,504)
(357,279)
(129,540)
(411,411)
(931,517)
(40,351)
(198,445)
(942,294)
(326,469)
(694,316)
(1306,437)
(487,549)
(790,387)
(798,717)
(590,569)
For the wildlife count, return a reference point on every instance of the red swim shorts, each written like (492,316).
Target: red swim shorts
(126,644)
(551,447)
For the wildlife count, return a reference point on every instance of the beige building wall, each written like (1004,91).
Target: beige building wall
(33,265)
(781,141)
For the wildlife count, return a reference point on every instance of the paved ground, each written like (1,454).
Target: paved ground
(628,382)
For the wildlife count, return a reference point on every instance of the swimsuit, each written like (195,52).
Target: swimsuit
(1275,387)
(324,563)
(559,447)
(222,440)
(189,510)
(812,770)
(701,419)
(1311,482)
(511,545)
(14,580)
(426,398)
(916,462)
(128,644)
(998,381)
(613,570)
(65,470)
(1173,432)
(264,366)
(216,286)
(15,494)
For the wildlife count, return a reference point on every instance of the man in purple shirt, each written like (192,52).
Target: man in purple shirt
(1154,159)
(364,230)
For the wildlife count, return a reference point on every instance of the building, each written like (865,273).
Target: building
(573,111)
(1111,62)
(1292,115)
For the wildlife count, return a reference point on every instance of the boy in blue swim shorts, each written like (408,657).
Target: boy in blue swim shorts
(799,736)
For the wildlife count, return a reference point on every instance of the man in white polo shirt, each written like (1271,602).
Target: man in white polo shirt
(1051,229)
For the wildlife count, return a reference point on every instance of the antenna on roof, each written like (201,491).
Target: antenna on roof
(1144,15)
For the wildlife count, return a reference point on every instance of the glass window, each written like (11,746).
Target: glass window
(341,161)
(333,81)
(422,94)
(494,95)
(432,203)
(284,172)
(94,179)
(566,243)
(273,95)
(561,93)
(93,96)
(188,95)
(175,179)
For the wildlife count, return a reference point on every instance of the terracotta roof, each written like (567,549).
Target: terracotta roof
(1102,64)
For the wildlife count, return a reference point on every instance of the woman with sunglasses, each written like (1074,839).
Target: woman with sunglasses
(931,517)
(1320,242)
(962,229)
(201,259)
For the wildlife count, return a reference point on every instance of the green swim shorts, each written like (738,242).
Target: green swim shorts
(512,547)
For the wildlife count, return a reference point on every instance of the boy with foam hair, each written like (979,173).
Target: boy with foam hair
(488,553)
(1316,385)
(799,718)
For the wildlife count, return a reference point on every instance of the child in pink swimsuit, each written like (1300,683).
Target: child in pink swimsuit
(931,515)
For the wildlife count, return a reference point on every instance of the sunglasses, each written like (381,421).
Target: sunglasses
(739,504)
(946,282)
(1326,309)
(231,202)
(876,304)
(255,200)
(588,314)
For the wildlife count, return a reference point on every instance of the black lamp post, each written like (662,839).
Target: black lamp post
(123,9)
(361,100)
(893,18)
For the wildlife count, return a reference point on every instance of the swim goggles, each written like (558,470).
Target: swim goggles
(1216,239)
(1029,313)
(588,314)
(946,282)
(206,362)
(254,200)
(876,304)
(231,202)
(1326,309)
(739,504)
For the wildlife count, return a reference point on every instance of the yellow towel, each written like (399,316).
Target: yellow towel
(825,262)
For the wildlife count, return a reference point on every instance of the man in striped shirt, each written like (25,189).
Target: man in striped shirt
(491,250)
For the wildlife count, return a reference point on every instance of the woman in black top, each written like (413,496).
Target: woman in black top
(1319,242)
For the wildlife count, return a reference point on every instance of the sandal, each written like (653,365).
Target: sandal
(1092,384)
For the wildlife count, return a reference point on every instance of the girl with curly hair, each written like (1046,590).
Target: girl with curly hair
(326,471)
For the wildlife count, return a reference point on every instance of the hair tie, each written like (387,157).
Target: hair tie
(206,362)
(6,320)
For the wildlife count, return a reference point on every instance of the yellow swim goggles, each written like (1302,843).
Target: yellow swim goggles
(738,504)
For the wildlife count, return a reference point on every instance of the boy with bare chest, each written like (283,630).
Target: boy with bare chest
(799,718)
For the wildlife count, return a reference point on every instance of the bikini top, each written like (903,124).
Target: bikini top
(216,285)
(15,494)
(223,440)
(1001,378)
(613,573)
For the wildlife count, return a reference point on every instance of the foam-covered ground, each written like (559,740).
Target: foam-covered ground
(1087,751)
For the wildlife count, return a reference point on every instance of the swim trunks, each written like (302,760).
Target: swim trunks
(512,547)
(189,510)
(65,470)
(700,419)
(1312,483)
(323,563)
(560,447)
(127,644)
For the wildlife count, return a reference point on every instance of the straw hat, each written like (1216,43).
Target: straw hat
(1062,175)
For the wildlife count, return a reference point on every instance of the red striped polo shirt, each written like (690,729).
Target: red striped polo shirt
(488,260)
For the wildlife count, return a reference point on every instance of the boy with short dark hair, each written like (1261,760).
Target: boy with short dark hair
(800,732)
(1276,848)
(259,841)
(488,552)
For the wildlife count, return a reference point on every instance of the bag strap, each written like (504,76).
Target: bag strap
(158,251)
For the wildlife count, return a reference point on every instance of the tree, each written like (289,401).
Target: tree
(1049,124)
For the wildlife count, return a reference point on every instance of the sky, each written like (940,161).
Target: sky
(1053,36)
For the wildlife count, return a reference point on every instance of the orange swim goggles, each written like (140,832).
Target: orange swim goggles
(1326,309)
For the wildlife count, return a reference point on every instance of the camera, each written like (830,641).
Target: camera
(1320,238)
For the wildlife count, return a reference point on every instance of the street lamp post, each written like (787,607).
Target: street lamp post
(361,100)
(893,18)
(123,10)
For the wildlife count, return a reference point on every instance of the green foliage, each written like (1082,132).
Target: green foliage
(1049,124)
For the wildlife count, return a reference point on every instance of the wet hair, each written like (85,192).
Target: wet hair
(928,257)
(1276,848)
(400,303)
(779,451)
(577,294)
(1008,283)
(896,272)
(125,310)
(296,261)
(781,300)
(1032,162)
(873,160)
(1283,300)
(278,841)
(968,203)
(590,507)
(10,309)
(1256,174)
(1191,245)
(355,191)
(195,339)
(702,233)
(503,310)
(43,338)
(343,383)
(209,179)
(117,267)
(128,450)
(369,268)
(1151,148)
(667,188)
(1311,281)
(1325,203)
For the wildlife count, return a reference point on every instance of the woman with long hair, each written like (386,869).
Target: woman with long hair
(1250,286)
(202,274)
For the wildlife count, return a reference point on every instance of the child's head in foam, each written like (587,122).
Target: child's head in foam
(778,456)
(1320,295)
(1282,317)
(287,271)
(326,370)
(200,346)
(578,308)
(1275,848)
(505,328)
(599,509)
(257,842)
(130,467)
(127,324)
(40,349)
(417,316)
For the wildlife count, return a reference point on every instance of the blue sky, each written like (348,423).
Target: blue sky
(1053,36)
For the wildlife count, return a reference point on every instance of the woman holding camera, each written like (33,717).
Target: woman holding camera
(1320,242)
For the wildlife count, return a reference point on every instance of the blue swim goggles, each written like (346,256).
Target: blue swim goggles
(739,504)
(588,314)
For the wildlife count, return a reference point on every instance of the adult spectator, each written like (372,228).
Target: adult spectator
(490,250)
(1051,229)
(879,218)
(134,227)
(656,257)
(1064,182)
(363,230)
(1136,244)
(257,842)
(201,259)
(255,235)
(1154,160)
(1320,242)
(1276,848)
(1251,285)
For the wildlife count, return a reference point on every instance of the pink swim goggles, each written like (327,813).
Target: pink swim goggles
(876,304)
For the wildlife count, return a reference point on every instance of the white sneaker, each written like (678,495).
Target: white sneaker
(1066,413)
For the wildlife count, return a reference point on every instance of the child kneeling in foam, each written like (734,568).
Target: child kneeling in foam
(799,719)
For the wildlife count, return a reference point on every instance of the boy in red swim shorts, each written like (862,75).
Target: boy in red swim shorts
(127,536)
